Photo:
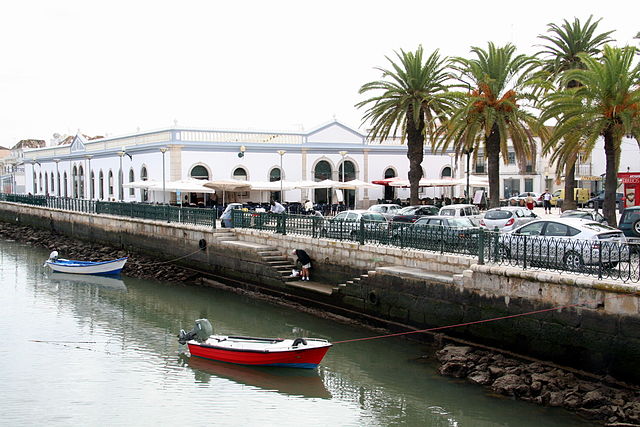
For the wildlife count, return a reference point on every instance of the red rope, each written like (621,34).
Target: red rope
(461,324)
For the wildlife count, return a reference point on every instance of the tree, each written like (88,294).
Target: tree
(564,43)
(491,112)
(605,103)
(410,96)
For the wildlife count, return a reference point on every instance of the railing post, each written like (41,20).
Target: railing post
(524,252)
(600,259)
(481,246)
(361,236)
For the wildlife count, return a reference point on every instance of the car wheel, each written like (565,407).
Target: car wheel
(635,228)
(573,261)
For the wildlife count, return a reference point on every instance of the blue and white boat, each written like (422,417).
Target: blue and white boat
(105,268)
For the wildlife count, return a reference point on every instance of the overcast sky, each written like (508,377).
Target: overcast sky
(113,67)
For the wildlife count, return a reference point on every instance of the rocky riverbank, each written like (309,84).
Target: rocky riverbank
(606,400)
(139,266)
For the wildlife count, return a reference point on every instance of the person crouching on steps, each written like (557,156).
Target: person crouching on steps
(305,260)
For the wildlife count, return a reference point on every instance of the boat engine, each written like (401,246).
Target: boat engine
(201,332)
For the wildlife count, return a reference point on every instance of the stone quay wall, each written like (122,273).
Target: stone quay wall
(578,321)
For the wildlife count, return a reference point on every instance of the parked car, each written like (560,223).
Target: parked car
(465,210)
(600,200)
(412,213)
(521,199)
(346,225)
(506,218)
(630,222)
(584,214)
(388,210)
(454,234)
(571,242)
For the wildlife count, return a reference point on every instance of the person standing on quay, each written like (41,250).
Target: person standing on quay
(305,260)
(546,197)
(530,202)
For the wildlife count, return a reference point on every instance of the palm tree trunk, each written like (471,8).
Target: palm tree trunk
(415,154)
(569,201)
(493,162)
(611,179)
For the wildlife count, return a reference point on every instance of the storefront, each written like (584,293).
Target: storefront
(631,183)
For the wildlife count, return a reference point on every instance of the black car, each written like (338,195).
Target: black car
(630,222)
(412,213)
(599,199)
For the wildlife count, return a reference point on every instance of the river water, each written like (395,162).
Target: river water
(80,351)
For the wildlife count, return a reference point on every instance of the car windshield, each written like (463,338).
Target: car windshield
(630,216)
(460,222)
(498,214)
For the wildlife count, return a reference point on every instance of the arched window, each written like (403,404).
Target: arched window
(35,183)
(92,184)
(101,183)
(46,184)
(52,184)
(240,173)
(74,181)
(199,172)
(110,183)
(132,191)
(446,172)
(59,192)
(321,172)
(40,181)
(65,181)
(389,191)
(144,177)
(81,182)
(275,175)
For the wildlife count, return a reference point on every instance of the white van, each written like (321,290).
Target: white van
(469,211)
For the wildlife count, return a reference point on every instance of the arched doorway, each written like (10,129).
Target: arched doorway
(348,174)
(74,182)
(321,172)
(92,184)
(132,175)
(81,182)
(199,172)
(275,175)
(65,181)
(144,177)
(46,184)
(101,184)
(389,191)
(239,174)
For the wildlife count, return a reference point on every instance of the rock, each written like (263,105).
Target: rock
(536,386)
(496,371)
(454,369)
(452,352)
(479,377)
(556,398)
(507,384)
(593,399)
(572,400)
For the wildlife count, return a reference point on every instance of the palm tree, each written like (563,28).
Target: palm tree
(410,96)
(563,46)
(490,114)
(605,103)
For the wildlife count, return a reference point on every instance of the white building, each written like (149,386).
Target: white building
(90,169)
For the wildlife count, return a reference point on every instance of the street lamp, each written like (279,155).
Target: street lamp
(88,179)
(344,192)
(121,153)
(281,152)
(163,150)
(468,153)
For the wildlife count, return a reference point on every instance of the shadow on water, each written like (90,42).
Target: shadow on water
(286,381)
(113,283)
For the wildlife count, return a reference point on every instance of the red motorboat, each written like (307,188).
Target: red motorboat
(291,353)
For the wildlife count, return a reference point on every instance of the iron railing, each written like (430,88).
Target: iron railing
(166,213)
(619,260)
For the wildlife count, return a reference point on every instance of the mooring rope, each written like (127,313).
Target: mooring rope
(475,322)
(169,261)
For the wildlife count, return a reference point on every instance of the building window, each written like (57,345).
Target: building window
(66,184)
(40,182)
(480,164)
(199,172)
(528,185)
(511,158)
(81,182)
(446,172)
(74,182)
(144,177)
(46,184)
(240,173)
(528,169)
(52,184)
(132,191)
(511,187)
(110,179)
(58,187)
(92,186)
(389,191)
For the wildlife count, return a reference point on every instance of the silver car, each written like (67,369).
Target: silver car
(347,225)
(507,218)
(570,242)
(388,210)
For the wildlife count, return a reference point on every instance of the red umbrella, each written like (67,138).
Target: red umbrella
(386,181)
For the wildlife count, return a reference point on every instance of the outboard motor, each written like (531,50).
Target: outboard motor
(201,332)
(53,256)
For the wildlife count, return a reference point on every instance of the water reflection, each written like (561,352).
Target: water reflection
(286,381)
(99,281)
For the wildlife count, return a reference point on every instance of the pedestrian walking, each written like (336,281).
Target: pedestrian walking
(546,197)
(276,207)
(305,260)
